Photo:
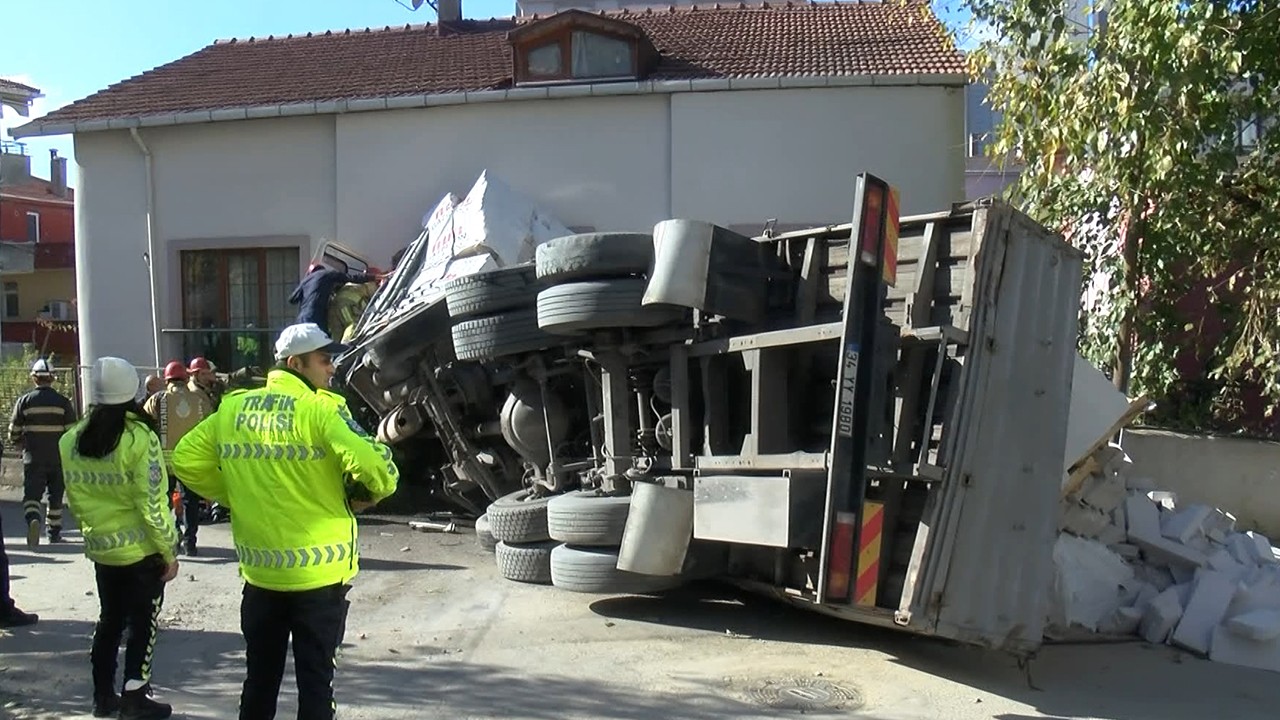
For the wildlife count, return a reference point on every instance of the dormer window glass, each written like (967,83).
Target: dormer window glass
(545,61)
(597,56)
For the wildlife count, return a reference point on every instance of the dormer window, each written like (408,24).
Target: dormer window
(577,46)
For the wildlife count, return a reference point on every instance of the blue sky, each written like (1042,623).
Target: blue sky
(73,48)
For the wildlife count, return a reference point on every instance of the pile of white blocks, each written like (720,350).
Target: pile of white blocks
(1131,560)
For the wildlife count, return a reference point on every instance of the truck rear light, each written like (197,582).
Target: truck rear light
(872,216)
(840,566)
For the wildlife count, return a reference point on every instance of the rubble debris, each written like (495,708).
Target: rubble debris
(1131,561)
(429,526)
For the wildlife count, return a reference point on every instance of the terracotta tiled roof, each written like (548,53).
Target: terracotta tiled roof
(12,86)
(826,39)
(36,189)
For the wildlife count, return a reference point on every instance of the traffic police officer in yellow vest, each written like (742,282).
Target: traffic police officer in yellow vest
(277,456)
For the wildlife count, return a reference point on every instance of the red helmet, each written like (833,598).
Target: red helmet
(199,363)
(175,371)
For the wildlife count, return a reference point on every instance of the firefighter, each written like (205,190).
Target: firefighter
(347,306)
(39,419)
(204,378)
(277,456)
(176,411)
(115,482)
(314,293)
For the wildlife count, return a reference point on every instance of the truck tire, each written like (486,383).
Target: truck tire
(595,570)
(519,518)
(530,563)
(484,536)
(584,518)
(594,255)
(500,335)
(572,308)
(491,292)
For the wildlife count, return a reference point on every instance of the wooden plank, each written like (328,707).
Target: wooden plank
(922,296)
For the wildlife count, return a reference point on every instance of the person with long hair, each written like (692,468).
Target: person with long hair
(116,482)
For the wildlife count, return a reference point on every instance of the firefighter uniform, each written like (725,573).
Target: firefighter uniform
(277,456)
(176,411)
(39,419)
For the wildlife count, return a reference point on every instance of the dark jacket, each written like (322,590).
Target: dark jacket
(39,419)
(315,291)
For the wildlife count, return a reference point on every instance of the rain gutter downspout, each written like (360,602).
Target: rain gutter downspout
(150,256)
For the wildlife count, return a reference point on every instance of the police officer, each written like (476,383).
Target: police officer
(176,411)
(39,419)
(277,456)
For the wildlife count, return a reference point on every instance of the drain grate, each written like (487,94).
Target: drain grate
(805,694)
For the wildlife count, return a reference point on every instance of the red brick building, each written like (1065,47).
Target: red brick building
(37,255)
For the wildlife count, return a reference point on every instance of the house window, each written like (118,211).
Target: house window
(11,300)
(577,55)
(33,227)
(240,299)
(596,56)
(545,61)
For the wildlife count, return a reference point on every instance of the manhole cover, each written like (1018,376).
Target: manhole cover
(805,694)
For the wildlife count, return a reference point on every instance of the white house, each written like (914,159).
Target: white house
(230,166)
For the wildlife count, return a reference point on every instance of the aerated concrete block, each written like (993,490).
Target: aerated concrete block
(1258,626)
(1185,524)
(1222,561)
(1262,548)
(1125,550)
(1142,517)
(1161,616)
(1104,492)
(1229,648)
(1140,483)
(1165,499)
(1085,521)
(1163,551)
(1205,610)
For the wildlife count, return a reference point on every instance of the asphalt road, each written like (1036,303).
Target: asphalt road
(436,633)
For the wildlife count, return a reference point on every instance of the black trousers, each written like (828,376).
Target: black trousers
(130,597)
(6,600)
(316,620)
(38,478)
(190,514)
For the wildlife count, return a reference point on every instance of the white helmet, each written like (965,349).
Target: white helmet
(41,368)
(115,381)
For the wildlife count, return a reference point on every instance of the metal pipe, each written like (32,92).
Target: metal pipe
(151,242)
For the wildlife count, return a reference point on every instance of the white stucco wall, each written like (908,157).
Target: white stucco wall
(600,162)
(743,157)
(112,291)
(365,179)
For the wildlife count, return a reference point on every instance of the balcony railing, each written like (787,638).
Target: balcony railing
(13,147)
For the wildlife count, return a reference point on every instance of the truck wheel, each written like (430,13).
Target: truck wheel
(491,292)
(500,335)
(587,519)
(519,518)
(525,563)
(484,536)
(595,570)
(577,307)
(594,255)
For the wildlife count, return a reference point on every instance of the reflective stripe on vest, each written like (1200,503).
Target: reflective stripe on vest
(88,477)
(115,540)
(296,557)
(262,451)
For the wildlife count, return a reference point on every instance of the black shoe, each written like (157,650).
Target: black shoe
(191,549)
(33,534)
(105,706)
(55,536)
(138,705)
(17,618)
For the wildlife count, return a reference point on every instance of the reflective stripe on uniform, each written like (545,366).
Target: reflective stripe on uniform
(295,557)
(114,540)
(88,477)
(263,451)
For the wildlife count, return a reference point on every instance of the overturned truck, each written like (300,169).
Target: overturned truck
(867,419)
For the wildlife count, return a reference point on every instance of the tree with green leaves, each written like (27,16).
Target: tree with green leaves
(1150,141)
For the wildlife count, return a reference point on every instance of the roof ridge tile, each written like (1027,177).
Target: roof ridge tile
(720,39)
